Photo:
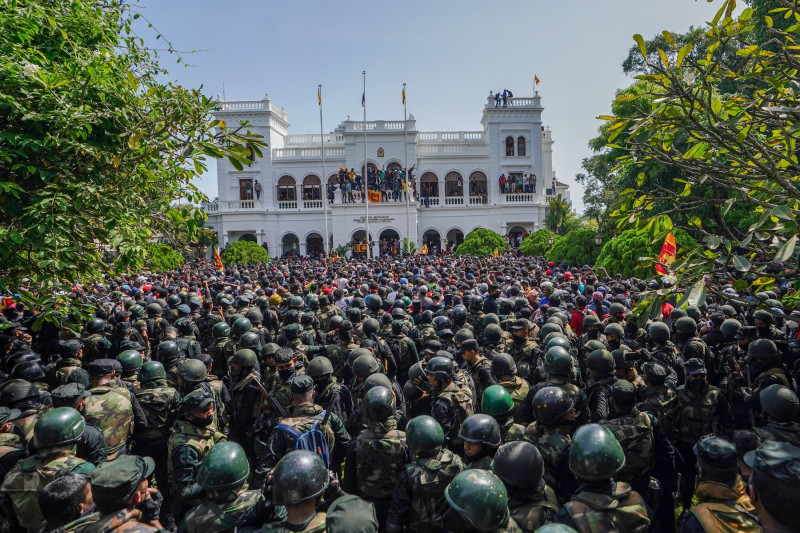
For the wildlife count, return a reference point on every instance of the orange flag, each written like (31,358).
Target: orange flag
(496,252)
(424,249)
(218,258)
(375,196)
(667,256)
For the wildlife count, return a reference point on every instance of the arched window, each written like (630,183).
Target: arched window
(510,146)
(429,185)
(477,184)
(521,146)
(453,184)
(311,188)
(286,189)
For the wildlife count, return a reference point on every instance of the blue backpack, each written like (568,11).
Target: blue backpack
(312,440)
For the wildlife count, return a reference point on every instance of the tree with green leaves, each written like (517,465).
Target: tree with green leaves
(538,243)
(576,248)
(481,241)
(243,252)
(162,258)
(559,217)
(632,253)
(742,144)
(96,150)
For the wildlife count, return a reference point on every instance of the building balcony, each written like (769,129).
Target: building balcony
(301,154)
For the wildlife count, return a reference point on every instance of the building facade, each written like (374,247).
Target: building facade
(280,201)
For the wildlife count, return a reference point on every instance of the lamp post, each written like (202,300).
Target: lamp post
(598,239)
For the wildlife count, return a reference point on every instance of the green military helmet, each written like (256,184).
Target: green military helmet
(547,286)
(687,325)
(694,313)
(241,326)
(728,310)
(593,345)
(503,365)
(480,497)
(312,302)
(779,402)
(130,360)
(616,308)
(370,326)
(658,332)
(254,316)
(424,436)
(376,380)
(174,300)
(762,350)
(151,371)
(595,454)
(496,401)
(295,302)
(600,360)
(614,328)
(319,367)
(192,370)
(441,368)
(195,303)
(590,320)
(558,362)
(480,429)
(463,335)
(220,330)
(137,311)
(154,310)
(379,404)
(772,302)
(225,466)
(365,365)
(493,333)
(730,327)
(245,358)
(519,464)
(550,336)
(270,349)
(490,318)
(550,404)
(555,320)
(558,340)
(548,329)
(262,302)
(60,426)
(299,476)
(397,326)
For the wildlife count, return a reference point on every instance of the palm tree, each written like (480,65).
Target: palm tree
(559,215)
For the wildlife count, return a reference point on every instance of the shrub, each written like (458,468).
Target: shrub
(481,241)
(576,248)
(241,252)
(621,254)
(537,243)
(162,258)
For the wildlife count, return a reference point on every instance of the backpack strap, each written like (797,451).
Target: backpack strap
(289,430)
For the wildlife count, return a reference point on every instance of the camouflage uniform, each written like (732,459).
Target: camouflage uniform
(418,501)
(721,508)
(634,432)
(123,521)
(533,510)
(219,514)
(523,352)
(246,407)
(518,388)
(220,352)
(205,324)
(160,403)
(619,510)
(316,525)
(451,406)
(481,374)
(780,432)
(64,369)
(12,449)
(324,315)
(95,346)
(338,354)
(510,432)
(110,409)
(19,492)
(553,443)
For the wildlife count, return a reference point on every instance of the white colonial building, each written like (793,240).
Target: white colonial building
(457,177)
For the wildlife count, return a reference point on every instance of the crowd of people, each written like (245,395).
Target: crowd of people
(391,184)
(421,394)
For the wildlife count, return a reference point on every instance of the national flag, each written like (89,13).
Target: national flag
(374,196)
(364,99)
(424,249)
(319,94)
(404,94)
(496,252)
(218,258)
(667,256)
(536,79)
(360,248)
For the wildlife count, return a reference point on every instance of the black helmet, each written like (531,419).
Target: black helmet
(442,322)
(730,327)
(595,453)
(763,350)
(364,365)
(614,328)
(424,436)
(600,360)
(398,313)
(335,322)
(27,370)
(442,368)
(616,308)
(658,332)
(779,402)
(503,365)
(353,314)
(493,333)
(95,325)
(687,325)
(425,317)
(184,326)
(558,362)
(370,326)
(320,366)
(379,404)
(550,404)
(459,314)
(299,476)
(14,391)
(519,464)
(169,353)
(620,359)
(480,429)
(249,340)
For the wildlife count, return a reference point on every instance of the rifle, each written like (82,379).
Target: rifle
(272,400)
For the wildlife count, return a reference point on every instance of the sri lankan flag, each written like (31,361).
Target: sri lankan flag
(424,249)
(375,196)
(218,258)
(667,256)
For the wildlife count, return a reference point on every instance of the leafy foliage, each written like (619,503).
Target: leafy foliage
(621,255)
(537,243)
(95,149)
(736,151)
(162,258)
(576,248)
(481,241)
(559,217)
(241,252)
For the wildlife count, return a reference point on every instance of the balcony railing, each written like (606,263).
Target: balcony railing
(454,200)
(312,204)
(287,205)
(307,153)
(478,200)
(518,198)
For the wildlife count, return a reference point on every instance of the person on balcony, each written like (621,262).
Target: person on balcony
(258,190)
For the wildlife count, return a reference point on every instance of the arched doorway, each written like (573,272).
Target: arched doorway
(248,237)
(478,191)
(359,243)
(516,234)
(453,185)
(372,173)
(433,240)
(389,242)
(429,189)
(314,245)
(311,188)
(290,245)
(454,237)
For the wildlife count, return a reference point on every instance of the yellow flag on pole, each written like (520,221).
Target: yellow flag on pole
(319,94)
(536,79)
(404,94)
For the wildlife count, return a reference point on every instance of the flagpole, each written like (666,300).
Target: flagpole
(326,245)
(366,165)
(408,179)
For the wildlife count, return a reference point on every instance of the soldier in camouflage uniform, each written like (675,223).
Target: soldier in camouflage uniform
(531,502)
(110,408)
(378,455)
(423,331)
(478,501)
(25,396)
(326,312)
(287,366)
(95,344)
(331,394)
(247,399)
(554,412)
(418,503)
(498,403)
(504,370)
(191,438)
(479,368)
(480,434)
(451,405)
(665,353)
(12,448)
(403,350)
(209,317)
(91,446)
(780,406)
(655,394)
(520,346)
(130,361)
(223,475)
(338,352)
(222,347)
(56,434)
(71,353)
(600,504)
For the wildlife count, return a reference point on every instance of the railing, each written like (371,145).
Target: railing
(454,200)
(293,140)
(477,200)
(451,136)
(307,153)
(312,204)
(233,205)
(242,105)
(246,204)
(378,125)
(512,102)
(211,207)
(430,149)
(287,205)
(431,201)
(518,198)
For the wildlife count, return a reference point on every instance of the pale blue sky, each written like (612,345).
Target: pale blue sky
(449,52)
